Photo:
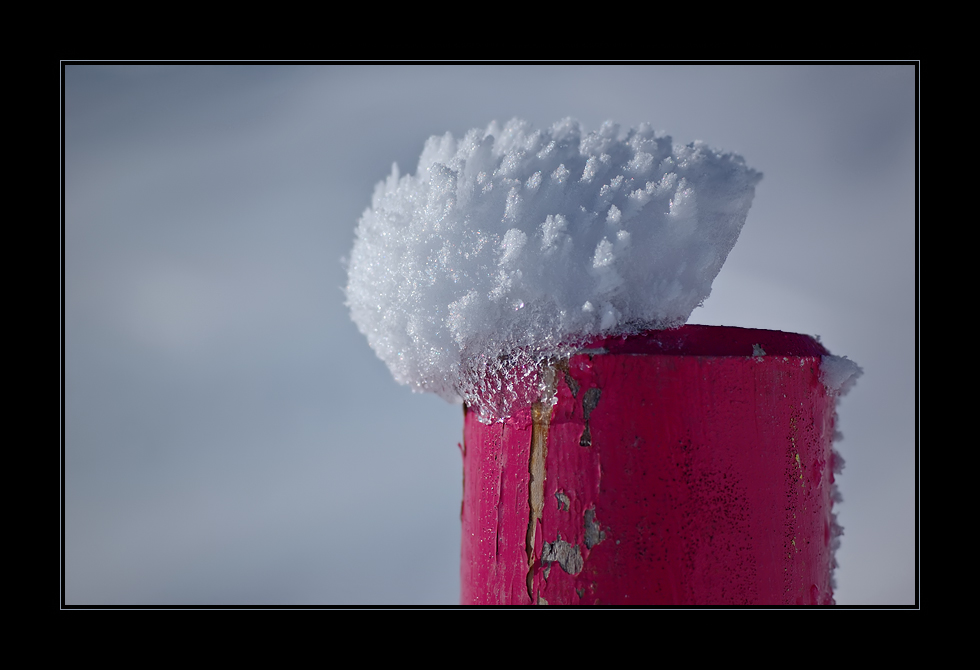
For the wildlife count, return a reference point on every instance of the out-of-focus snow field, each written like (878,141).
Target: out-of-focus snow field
(229,436)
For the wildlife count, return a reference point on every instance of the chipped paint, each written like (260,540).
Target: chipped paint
(757,350)
(567,555)
(563,501)
(570,381)
(589,402)
(593,531)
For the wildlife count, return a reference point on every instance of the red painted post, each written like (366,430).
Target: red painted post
(681,467)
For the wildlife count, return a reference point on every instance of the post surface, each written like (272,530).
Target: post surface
(691,466)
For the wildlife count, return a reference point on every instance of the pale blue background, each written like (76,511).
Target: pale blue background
(230,437)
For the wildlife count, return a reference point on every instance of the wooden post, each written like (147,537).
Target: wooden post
(681,467)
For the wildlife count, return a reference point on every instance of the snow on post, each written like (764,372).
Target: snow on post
(485,275)
(512,245)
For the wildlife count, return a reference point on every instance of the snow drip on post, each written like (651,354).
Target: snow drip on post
(512,245)
(839,374)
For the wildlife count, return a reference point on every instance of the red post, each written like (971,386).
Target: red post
(689,466)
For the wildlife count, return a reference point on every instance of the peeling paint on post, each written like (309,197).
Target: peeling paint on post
(589,402)
(691,466)
(540,422)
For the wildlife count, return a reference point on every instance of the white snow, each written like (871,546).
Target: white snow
(839,374)
(512,244)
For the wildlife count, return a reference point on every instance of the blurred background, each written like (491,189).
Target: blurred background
(229,436)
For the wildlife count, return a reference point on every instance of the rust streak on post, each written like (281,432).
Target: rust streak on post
(540,420)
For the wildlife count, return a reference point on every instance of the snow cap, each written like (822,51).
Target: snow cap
(513,245)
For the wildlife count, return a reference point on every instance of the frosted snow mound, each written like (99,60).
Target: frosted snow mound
(512,244)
